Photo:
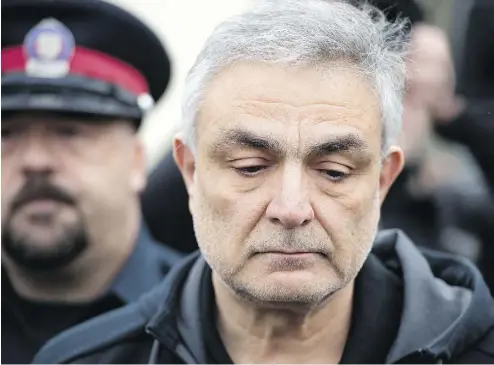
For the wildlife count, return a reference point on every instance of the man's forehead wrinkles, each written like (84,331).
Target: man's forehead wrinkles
(253,111)
(259,110)
(276,104)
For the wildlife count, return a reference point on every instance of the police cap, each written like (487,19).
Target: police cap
(80,56)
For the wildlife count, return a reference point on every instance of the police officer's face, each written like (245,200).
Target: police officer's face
(62,181)
(286,184)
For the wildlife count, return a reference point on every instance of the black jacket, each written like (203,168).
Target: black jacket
(448,315)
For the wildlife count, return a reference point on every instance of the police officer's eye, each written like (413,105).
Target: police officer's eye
(7,132)
(10,132)
(334,175)
(67,131)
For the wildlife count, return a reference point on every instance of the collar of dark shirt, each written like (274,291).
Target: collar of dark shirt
(145,268)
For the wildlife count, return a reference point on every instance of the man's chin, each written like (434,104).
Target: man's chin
(43,249)
(291,290)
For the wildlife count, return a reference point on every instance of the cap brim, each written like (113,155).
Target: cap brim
(66,103)
(67,95)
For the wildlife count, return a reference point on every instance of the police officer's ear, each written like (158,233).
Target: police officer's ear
(139,169)
(185,160)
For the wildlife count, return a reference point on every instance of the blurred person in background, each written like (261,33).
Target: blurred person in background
(77,79)
(290,119)
(171,221)
(430,201)
(474,125)
(438,208)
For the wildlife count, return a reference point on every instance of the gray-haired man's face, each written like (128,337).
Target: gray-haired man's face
(286,185)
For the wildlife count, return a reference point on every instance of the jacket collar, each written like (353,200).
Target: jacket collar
(144,268)
(447,305)
(173,309)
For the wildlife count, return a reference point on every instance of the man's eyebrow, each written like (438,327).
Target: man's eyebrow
(247,139)
(343,143)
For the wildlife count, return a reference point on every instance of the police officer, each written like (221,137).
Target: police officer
(77,79)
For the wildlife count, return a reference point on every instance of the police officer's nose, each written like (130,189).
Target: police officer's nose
(36,156)
(290,205)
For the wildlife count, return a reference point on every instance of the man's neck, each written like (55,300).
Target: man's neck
(255,335)
(87,277)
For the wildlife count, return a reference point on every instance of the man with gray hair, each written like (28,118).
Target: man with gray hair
(290,116)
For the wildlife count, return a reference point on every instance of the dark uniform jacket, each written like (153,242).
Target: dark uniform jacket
(447,315)
(26,325)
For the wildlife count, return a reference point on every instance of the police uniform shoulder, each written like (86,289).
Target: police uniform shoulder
(92,336)
(112,329)
(166,254)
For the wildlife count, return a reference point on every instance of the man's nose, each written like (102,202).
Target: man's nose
(290,205)
(36,155)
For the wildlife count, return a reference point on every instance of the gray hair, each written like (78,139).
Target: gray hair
(307,32)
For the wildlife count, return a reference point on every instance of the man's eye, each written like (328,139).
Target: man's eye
(7,132)
(67,131)
(250,170)
(334,175)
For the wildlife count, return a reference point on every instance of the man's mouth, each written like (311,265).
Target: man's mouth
(40,206)
(291,253)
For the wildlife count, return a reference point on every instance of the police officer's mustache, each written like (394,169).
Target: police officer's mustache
(37,188)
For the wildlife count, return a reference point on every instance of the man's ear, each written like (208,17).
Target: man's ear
(391,167)
(139,168)
(185,160)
